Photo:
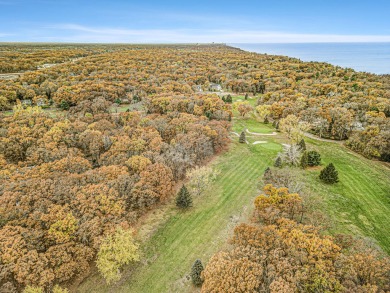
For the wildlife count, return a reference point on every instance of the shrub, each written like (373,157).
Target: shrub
(242,138)
(329,174)
(64,105)
(278,162)
(267,174)
(183,199)
(302,145)
(313,158)
(304,160)
(196,273)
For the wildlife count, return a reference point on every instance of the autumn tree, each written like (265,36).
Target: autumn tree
(293,127)
(243,108)
(276,203)
(116,251)
(32,289)
(200,178)
(277,254)
(58,289)
(291,154)
(263,111)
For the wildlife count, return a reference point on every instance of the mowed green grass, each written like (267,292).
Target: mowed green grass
(358,204)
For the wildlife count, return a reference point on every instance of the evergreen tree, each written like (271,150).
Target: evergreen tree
(229,99)
(329,174)
(302,145)
(304,160)
(64,105)
(246,96)
(313,158)
(196,272)
(183,198)
(267,175)
(278,162)
(242,138)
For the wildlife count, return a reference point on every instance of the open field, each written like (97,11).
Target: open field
(358,204)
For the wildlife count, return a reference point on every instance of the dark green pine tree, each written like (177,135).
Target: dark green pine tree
(242,138)
(196,272)
(302,145)
(329,174)
(246,96)
(183,198)
(229,99)
(314,158)
(304,160)
(278,162)
(267,175)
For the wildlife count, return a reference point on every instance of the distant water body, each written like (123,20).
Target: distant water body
(369,57)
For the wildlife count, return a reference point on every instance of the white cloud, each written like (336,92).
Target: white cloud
(79,33)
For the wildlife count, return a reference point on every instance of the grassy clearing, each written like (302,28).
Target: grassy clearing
(124,107)
(358,204)
(241,98)
(253,126)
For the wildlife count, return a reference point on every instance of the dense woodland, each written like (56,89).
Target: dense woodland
(338,103)
(70,180)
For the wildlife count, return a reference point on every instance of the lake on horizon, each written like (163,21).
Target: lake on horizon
(369,57)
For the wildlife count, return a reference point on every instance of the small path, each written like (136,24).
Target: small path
(256,133)
(9,76)
(260,141)
(315,137)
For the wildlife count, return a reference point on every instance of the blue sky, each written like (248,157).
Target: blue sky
(163,21)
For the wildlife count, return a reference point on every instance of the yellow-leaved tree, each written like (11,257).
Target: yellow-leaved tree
(31,289)
(293,127)
(116,251)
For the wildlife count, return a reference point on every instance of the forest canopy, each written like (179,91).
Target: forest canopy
(92,137)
